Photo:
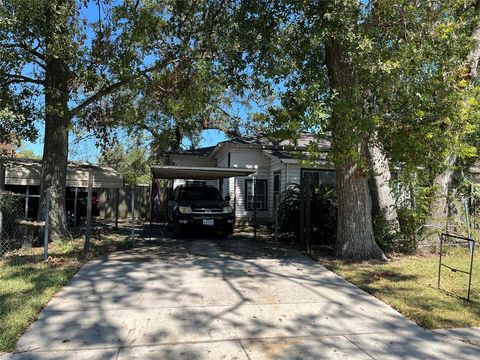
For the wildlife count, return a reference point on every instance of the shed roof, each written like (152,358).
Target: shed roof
(28,172)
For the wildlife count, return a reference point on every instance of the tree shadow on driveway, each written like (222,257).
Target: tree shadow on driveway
(198,296)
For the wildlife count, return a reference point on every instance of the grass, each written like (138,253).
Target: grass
(409,284)
(28,283)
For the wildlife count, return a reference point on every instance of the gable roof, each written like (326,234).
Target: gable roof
(261,141)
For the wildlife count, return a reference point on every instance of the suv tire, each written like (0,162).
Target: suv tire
(177,232)
(226,232)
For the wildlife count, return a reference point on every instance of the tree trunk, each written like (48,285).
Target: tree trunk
(383,204)
(437,216)
(355,237)
(55,150)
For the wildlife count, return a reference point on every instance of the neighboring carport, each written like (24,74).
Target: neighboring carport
(202,173)
(22,177)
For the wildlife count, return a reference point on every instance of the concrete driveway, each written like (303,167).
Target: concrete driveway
(222,299)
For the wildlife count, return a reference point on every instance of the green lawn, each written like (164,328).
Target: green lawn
(27,283)
(409,284)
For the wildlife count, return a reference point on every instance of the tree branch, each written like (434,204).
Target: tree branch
(14,78)
(28,49)
(115,86)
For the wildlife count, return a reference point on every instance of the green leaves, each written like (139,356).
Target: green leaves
(131,160)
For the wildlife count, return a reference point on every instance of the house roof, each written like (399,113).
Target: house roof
(262,140)
(205,151)
(280,148)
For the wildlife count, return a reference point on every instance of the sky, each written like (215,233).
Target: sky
(86,150)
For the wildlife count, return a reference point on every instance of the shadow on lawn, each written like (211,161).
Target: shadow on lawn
(265,298)
(430,306)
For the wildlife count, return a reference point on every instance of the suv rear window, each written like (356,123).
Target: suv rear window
(199,193)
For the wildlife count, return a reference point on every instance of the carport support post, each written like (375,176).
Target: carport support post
(254,206)
(47,224)
(27,197)
(117,204)
(75,207)
(235,196)
(88,230)
(151,205)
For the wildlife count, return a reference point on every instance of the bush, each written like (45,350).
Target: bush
(323,214)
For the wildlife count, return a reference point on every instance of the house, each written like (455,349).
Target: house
(277,164)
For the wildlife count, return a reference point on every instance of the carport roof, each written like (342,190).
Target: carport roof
(28,172)
(197,173)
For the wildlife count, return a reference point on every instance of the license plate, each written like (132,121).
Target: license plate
(208,222)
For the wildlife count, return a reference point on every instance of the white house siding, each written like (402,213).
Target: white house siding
(245,158)
(222,161)
(191,160)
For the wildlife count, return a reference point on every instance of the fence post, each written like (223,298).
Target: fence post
(75,207)
(301,212)
(467,219)
(133,213)
(88,230)
(47,225)
(117,204)
(472,250)
(440,261)
(277,199)
(2,189)
(307,212)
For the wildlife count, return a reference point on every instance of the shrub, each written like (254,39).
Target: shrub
(323,213)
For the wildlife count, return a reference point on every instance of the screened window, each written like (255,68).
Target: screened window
(202,193)
(320,177)
(261,194)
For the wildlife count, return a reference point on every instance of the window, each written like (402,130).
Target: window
(261,194)
(320,177)
(276,187)
(196,183)
(202,193)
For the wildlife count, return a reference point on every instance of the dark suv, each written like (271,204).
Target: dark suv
(199,206)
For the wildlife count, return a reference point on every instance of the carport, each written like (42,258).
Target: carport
(22,177)
(203,173)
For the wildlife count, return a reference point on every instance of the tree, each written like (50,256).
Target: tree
(23,152)
(63,68)
(438,210)
(131,161)
(349,69)
(315,62)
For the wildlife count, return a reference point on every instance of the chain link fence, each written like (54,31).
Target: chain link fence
(15,231)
